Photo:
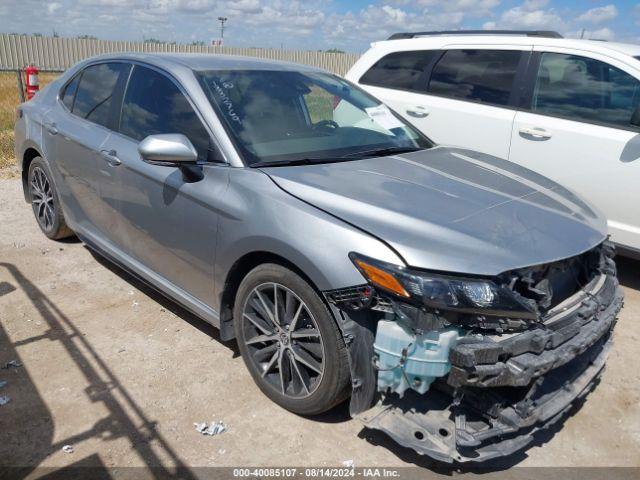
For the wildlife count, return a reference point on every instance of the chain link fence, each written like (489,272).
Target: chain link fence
(11,82)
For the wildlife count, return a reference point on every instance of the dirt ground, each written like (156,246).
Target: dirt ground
(122,374)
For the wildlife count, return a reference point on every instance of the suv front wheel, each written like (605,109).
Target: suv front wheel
(290,342)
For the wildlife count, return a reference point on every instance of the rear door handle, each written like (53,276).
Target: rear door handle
(535,132)
(111,156)
(417,111)
(51,128)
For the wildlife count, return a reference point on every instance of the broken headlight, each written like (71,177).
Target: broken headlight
(444,292)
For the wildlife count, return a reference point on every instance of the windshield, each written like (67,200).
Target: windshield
(285,116)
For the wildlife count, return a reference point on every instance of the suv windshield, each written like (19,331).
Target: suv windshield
(291,116)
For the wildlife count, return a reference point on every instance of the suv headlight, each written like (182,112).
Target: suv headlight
(446,292)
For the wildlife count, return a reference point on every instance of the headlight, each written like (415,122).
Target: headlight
(464,295)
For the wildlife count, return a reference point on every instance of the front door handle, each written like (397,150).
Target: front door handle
(535,132)
(51,128)
(417,111)
(111,156)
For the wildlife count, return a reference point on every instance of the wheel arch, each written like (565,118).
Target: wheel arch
(29,154)
(238,272)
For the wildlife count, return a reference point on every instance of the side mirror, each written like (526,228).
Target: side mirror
(635,118)
(171,150)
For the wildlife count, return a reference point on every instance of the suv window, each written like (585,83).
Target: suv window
(479,75)
(69,92)
(94,98)
(153,105)
(585,89)
(399,70)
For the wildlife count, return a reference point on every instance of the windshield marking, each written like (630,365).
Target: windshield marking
(226,101)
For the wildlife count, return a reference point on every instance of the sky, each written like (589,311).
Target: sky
(313,24)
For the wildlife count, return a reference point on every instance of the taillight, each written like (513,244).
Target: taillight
(336,101)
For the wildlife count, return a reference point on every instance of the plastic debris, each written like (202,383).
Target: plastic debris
(215,428)
(348,463)
(4,400)
(3,383)
(67,449)
(12,364)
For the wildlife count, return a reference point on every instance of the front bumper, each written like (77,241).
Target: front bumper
(501,390)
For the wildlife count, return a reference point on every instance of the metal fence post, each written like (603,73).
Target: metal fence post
(20,85)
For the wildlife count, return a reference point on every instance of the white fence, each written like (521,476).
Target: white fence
(55,54)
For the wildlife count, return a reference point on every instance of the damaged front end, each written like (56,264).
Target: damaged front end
(467,369)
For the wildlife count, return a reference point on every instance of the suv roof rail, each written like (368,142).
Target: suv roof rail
(527,33)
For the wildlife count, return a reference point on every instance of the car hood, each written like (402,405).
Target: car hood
(451,209)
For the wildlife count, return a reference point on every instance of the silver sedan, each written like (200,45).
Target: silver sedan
(461,301)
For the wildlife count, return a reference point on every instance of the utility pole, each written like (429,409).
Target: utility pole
(222,20)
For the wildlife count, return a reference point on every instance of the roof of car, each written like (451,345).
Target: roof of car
(439,41)
(201,61)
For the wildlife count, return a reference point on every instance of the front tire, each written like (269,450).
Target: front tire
(289,341)
(45,201)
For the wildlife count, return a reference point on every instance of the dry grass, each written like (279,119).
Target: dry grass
(9,100)
(6,148)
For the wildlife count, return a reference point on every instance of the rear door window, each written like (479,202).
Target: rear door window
(399,70)
(94,99)
(585,89)
(153,104)
(485,76)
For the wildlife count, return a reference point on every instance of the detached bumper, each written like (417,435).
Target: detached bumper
(499,392)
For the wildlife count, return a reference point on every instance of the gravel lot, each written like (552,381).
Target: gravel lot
(122,374)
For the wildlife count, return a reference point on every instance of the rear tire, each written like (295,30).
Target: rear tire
(45,201)
(290,342)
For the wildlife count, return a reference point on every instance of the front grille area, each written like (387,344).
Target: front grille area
(504,385)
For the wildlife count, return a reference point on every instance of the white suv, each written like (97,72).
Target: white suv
(568,109)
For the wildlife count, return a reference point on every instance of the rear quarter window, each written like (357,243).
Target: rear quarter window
(69,92)
(399,70)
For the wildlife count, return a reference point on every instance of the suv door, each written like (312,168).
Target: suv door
(577,130)
(460,96)
(166,224)
(80,125)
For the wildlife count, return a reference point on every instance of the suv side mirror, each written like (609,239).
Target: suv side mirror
(635,118)
(171,150)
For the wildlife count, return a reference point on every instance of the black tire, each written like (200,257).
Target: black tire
(307,392)
(45,201)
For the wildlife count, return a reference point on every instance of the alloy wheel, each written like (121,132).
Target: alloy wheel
(283,340)
(42,198)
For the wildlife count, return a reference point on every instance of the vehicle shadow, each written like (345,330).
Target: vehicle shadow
(628,272)
(165,302)
(26,436)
